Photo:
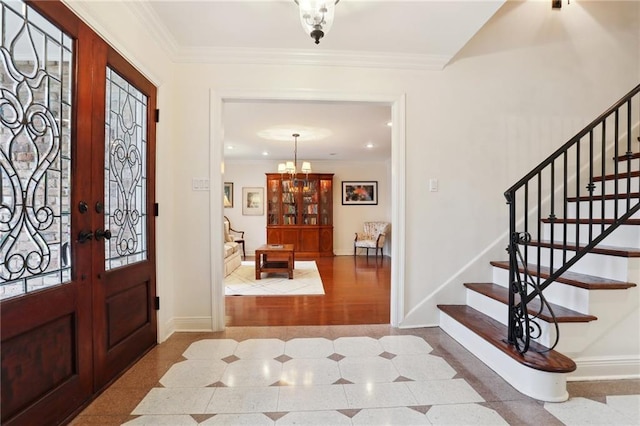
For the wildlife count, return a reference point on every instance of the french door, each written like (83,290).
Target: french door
(77,242)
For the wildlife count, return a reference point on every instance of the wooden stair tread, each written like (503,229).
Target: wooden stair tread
(501,294)
(496,334)
(620,175)
(592,221)
(589,282)
(621,196)
(623,157)
(600,249)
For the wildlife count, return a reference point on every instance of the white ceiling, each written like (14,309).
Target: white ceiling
(328,131)
(418,34)
(199,30)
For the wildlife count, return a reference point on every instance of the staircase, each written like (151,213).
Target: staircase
(574,263)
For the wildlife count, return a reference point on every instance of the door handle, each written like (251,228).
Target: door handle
(103,233)
(84,236)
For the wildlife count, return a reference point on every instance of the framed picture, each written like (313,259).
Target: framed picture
(228,194)
(253,201)
(355,193)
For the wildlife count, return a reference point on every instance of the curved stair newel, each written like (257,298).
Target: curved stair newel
(558,272)
(524,324)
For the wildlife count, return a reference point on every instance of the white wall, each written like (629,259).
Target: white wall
(346,219)
(521,87)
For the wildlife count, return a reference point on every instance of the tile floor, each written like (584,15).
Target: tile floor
(337,375)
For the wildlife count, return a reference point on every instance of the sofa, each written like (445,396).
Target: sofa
(232,251)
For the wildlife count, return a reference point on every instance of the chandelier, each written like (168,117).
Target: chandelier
(316,16)
(290,167)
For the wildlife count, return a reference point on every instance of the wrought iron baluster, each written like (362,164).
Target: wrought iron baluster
(591,188)
(603,172)
(616,162)
(565,198)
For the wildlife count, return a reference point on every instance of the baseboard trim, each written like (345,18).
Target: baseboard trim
(191,324)
(605,368)
(166,331)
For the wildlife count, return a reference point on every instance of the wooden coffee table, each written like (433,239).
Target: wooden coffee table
(275,258)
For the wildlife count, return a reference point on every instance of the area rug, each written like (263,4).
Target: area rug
(242,281)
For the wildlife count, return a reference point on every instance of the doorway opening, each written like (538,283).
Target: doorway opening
(396,103)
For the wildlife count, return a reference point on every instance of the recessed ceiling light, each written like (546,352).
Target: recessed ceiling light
(369,145)
(229,146)
(265,153)
(389,123)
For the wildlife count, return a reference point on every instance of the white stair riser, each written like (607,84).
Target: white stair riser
(623,166)
(570,341)
(612,267)
(569,296)
(623,186)
(623,236)
(582,208)
(488,306)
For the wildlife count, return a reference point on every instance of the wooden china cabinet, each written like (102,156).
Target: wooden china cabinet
(300,212)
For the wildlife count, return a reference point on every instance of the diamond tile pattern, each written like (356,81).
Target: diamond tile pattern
(315,377)
(283,358)
(347,381)
(335,357)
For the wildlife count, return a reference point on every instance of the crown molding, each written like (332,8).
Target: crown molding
(227,55)
(144,13)
(84,12)
(155,26)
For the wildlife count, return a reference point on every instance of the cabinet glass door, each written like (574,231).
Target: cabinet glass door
(273,202)
(310,203)
(326,197)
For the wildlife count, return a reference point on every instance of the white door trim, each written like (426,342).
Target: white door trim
(398,179)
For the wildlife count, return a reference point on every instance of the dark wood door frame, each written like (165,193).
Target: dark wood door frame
(57,345)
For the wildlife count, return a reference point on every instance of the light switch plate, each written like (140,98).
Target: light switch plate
(200,184)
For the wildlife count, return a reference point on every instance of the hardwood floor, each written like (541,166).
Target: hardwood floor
(357,291)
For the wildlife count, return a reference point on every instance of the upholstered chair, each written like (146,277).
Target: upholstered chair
(231,234)
(372,237)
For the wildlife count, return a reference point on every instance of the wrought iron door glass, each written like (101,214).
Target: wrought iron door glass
(35,151)
(125,172)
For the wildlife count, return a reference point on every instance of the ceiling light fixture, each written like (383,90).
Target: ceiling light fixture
(290,167)
(316,16)
(557,4)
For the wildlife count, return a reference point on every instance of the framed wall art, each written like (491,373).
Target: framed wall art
(356,193)
(253,201)
(228,194)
